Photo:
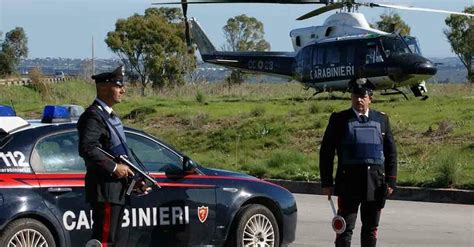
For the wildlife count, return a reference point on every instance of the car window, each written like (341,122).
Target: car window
(58,153)
(154,156)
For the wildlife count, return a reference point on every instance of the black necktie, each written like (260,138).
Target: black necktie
(363,118)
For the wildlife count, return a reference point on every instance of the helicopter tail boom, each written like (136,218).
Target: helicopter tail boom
(277,63)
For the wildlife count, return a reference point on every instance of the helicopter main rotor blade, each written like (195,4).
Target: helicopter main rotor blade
(320,11)
(250,1)
(418,9)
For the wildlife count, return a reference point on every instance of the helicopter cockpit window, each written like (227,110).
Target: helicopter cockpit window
(413,44)
(394,45)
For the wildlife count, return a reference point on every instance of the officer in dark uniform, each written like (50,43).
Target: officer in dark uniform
(367,165)
(105,180)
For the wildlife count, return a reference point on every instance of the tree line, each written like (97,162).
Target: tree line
(153,47)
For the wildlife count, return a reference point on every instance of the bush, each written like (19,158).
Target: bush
(305,175)
(314,108)
(40,86)
(200,97)
(448,171)
(257,111)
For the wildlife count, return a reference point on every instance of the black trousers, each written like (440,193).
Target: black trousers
(107,227)
(370,216)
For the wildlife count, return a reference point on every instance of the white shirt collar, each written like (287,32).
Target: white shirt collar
(104,106)
(358,114)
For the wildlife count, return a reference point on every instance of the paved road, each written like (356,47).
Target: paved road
(403,223)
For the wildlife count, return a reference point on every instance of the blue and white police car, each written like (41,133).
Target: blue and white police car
(42,200)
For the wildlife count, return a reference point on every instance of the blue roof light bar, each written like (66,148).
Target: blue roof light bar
(7,111)
(55,114)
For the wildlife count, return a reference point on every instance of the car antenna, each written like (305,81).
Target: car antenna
(13,106)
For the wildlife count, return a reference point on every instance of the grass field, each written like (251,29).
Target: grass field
(275,130)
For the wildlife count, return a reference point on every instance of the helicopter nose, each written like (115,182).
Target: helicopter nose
(425,68)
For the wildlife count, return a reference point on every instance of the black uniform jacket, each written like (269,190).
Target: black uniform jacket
(100,182)
(366,182)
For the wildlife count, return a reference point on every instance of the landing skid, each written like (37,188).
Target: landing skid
(314,94)
(397,91)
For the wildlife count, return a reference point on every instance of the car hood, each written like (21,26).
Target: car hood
(219,172)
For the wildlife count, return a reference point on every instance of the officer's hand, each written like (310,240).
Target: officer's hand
(142,188)
(389,191)
(123,171)
(327,191)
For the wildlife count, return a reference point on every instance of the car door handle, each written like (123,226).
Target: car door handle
(59,190)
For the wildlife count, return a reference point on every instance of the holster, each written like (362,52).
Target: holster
(381,195)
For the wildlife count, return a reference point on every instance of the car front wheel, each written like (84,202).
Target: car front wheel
(26,232)
(257,227)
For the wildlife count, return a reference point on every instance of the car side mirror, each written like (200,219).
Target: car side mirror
(189,166)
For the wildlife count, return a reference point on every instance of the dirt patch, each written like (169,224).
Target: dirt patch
(306,139)
(444,129)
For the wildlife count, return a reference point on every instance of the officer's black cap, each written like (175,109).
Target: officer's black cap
(115,77)
(363,90)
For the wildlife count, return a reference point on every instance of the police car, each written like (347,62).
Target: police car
(42,200)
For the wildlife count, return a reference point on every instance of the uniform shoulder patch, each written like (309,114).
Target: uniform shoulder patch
(383,113)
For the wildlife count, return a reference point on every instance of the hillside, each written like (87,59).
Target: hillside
(273,130)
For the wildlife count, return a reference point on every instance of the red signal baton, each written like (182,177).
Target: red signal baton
(338,222)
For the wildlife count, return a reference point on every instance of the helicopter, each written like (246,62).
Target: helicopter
(343,52)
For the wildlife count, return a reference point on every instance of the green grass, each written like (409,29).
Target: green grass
(275,130)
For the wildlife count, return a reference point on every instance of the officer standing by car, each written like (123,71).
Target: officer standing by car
(367,165)
(105,180)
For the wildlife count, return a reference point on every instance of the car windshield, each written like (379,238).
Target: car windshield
(394,45)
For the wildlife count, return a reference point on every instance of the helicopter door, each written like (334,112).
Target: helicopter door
(307,63)
(318,62)
(332,63)
(348,55)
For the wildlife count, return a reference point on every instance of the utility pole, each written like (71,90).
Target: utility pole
(93,65)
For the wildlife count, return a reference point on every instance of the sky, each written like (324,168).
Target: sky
(64,28)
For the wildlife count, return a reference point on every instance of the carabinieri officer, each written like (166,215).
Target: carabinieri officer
(367,165)
(105,180)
